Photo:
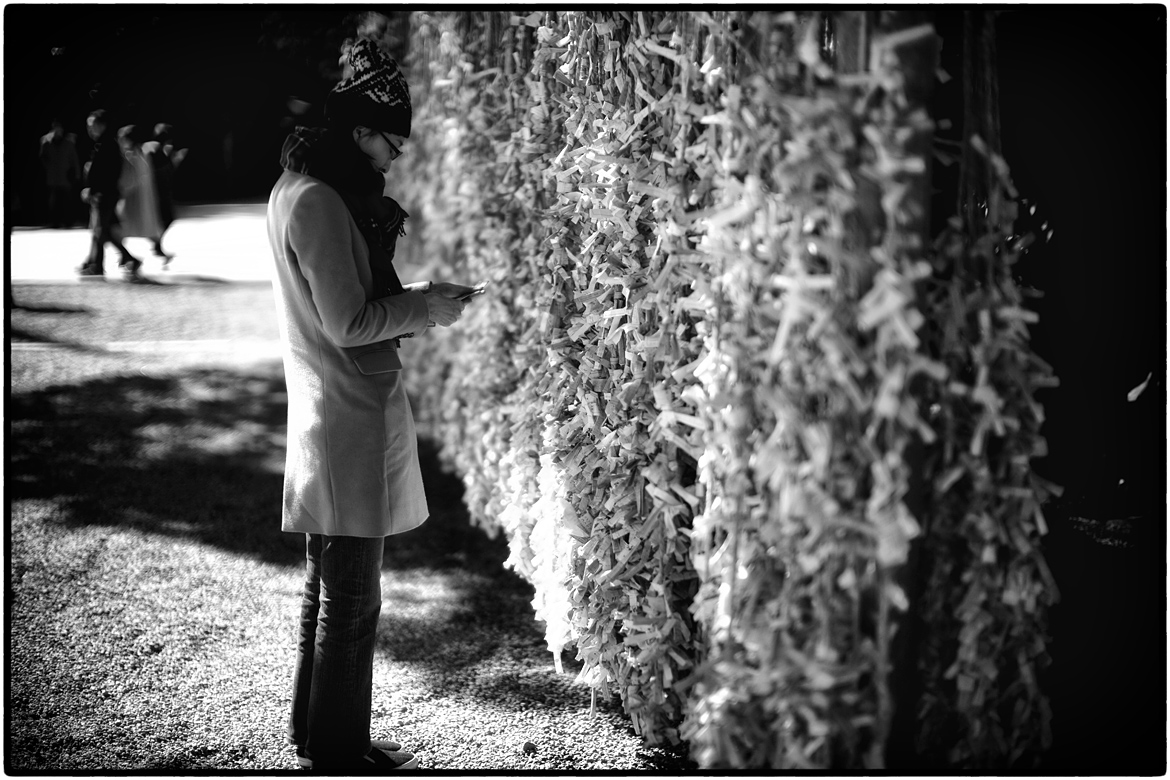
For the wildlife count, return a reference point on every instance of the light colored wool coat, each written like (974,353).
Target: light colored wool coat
(352,463)
(137,209)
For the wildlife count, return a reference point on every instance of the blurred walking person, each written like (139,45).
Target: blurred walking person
(102,174)
(138,211)
(164,159)
(352,475)
(62,174)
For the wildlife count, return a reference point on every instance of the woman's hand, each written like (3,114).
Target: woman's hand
(443,310)
(452,290)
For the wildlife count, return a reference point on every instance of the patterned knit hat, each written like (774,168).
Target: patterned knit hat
(375,95)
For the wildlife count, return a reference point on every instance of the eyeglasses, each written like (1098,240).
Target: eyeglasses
(395,152)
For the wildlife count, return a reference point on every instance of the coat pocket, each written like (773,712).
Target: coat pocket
(377,361)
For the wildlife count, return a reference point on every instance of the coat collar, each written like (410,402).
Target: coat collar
(328,155)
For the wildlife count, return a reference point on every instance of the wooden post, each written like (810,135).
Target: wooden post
(852,41)
(980,112)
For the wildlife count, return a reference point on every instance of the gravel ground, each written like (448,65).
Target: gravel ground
(152,597)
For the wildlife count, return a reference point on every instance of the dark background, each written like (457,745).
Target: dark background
(1083,104)
(1082,100)
(223,76)
(1083,117)
(1083,111)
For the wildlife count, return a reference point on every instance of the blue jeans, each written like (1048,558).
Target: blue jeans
(334,675)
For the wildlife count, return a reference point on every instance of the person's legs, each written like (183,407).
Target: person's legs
(341,688)
(111,231)
(166,213)
(298,721)
(160,252)
(126,260)
(95,262)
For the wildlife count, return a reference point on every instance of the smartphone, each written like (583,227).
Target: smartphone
(472,294)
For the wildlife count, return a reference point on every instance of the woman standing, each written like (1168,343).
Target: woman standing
(138,206)
(352,475)
(164,159)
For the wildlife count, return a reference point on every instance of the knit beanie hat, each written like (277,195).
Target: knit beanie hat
(375,95)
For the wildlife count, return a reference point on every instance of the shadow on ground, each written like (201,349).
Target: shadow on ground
(200,455)
(51,309)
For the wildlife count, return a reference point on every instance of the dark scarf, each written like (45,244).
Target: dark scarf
(331,156)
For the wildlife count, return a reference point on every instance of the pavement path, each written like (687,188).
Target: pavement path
(214,242)
(242,352)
